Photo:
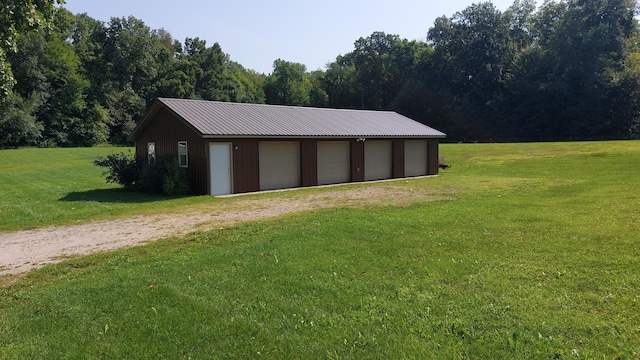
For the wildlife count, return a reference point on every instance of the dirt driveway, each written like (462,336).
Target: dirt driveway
(25,250)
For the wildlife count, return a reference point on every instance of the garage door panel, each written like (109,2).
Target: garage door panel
(378,160)
(334,162)
(279,164)
(415,157)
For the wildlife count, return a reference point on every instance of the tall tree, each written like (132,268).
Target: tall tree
(50,78)
(130,60)
(18,17)
(18,124)
(318,96)
(208,67)
(339,82)
(376,77)
(375,73)
(473,53)
(572,84)
(520,17)
(88,37)
(242,85)
(288,84)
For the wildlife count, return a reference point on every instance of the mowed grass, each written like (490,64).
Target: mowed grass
(41,187)
(534,254)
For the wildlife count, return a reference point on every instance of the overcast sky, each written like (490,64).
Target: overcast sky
(255,33)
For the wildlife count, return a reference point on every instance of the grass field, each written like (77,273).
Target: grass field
(40,187)
(534,254)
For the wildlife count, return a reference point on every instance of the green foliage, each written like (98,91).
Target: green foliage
(289,84)
(153,177)
(473,52)
(174,179)
(242,85)
(42,187)
(164,177)
(49,73)
(562,72)
(339,83)
(95,88)
(383,63)
(123,169)
(566,85)
(16,19)
(150,180)
(208,67)
(531,253)
(566,70)
(123,106)
(18,126)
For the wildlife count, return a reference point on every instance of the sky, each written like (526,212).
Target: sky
(255,33)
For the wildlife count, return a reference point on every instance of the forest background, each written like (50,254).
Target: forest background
(564,70)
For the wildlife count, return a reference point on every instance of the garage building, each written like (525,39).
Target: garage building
(231,148)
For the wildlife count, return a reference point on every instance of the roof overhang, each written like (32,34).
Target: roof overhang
(322,137)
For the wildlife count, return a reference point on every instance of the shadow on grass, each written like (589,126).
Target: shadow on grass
(112,196)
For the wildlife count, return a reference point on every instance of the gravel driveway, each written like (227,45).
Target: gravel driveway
(22,251)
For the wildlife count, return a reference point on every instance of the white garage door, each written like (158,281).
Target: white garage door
(415,157)
(377,160)
(279,164)
(334,162)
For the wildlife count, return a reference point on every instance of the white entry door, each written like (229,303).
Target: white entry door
(220,168)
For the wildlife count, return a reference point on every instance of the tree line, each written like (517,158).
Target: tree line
(565,70)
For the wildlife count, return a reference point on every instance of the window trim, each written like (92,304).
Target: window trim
(151,153)
(183,150)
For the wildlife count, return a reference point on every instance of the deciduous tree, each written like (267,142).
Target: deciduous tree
(18,17)
(288,84)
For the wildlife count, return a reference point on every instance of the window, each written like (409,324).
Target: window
(183,155)
(151,153)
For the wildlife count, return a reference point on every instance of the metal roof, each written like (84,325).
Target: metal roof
(225,119)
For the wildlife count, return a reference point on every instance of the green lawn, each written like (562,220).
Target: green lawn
(40,187)
(534,254)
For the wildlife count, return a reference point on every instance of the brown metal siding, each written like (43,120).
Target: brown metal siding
(165,131)
(141,149)
(357,160)
(398,158)
(246,173)
(432,156)
(309,162)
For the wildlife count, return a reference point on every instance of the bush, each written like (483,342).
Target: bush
(174,181)
(121,169)
(165,177)
(150,178)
